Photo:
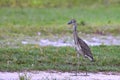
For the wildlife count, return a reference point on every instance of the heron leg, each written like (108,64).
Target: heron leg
(78,64)
(85,65)
(86,68)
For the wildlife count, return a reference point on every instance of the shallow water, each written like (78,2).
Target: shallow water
(92,40)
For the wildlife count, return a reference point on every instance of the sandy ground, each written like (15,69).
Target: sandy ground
(54,75)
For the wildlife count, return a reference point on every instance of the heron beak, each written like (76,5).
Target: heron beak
(70,22)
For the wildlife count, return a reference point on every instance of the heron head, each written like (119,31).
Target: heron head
(72,21)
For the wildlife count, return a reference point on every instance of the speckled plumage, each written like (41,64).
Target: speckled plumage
(81,47)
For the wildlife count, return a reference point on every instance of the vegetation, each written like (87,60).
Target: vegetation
(54,58)
(24,77)
(37,17)
(56,3)
(29,21)
(20,19)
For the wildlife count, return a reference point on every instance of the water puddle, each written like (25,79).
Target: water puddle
(92,40)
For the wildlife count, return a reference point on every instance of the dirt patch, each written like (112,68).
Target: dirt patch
(54,75)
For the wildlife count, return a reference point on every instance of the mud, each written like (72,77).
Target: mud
(92,40)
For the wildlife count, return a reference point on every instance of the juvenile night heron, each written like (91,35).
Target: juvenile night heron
(80,46)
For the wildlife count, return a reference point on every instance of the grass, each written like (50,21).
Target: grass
(49,21)
(32,57)
(18,24)
(56,3)
(24,77)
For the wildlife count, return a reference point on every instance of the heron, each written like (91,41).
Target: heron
(80,46)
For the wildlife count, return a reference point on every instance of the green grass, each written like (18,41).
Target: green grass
(32,57)
(57,3)
(20,23)
(29,21)
(24,77)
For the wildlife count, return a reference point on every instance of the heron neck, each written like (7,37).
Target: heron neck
(74,27)
(75,30)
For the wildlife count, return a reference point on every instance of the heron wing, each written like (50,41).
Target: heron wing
(85,48)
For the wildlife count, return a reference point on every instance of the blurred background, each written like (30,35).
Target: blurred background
(57,3)
(32,20)
(34,34)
